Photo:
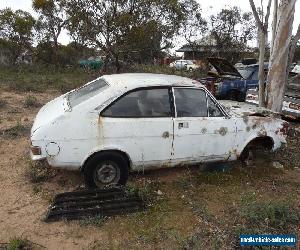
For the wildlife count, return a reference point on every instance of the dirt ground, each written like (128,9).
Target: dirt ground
(193,210)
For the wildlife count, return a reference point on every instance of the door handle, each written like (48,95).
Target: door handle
(165,134)
(183,125)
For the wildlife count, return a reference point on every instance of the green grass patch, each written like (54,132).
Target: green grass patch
(18,244)
(31,102)
(97,221)
(38,78)
(38,172)
(274,216)
(16,131)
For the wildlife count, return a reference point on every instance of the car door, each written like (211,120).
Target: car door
(202,131)
(140,124)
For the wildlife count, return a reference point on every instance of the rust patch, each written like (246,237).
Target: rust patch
(100,120)
(262,132)
(222,131)
(204,131)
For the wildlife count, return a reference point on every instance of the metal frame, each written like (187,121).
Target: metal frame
(172,100)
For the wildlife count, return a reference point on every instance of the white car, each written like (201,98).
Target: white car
(130,122)
(184,65)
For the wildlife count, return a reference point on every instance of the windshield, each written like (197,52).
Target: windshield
(82,94)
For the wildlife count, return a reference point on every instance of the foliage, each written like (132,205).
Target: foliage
(18,244)
(66,55)
(230,28)
(31,101)
(39,172)
(39,77)
(16,131)
(97,221)
(278,215)
(51,21)
(16,32)
(194,25)
(125,26)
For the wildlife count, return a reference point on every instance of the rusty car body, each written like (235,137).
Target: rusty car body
(130,122)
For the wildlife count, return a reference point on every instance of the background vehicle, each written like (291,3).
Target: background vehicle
(184,65)
(130,122)
(291,101)
(230,82)
(91,63)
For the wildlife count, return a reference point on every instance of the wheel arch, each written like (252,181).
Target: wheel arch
(266,142)
(115,151)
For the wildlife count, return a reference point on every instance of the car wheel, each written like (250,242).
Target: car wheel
(106,170)
(241,97)
(233,95)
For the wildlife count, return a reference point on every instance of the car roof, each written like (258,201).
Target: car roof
(139,80)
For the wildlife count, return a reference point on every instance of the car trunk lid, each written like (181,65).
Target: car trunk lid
(49,112)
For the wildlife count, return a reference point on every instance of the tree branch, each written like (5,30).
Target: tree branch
(297,36)
(267,16)
(256,16)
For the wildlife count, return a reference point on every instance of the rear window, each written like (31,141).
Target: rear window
(82,94)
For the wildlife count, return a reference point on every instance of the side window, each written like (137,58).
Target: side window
(141,103)
(190,102)
(213,109)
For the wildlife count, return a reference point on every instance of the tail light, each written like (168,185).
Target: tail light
(36,150)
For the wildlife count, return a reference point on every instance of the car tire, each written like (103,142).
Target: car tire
(106,169)
(233,95)
(241,97)
(247,157)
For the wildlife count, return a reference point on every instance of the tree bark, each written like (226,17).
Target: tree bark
(274,25)
(277,76)
(263,32)
(261,73)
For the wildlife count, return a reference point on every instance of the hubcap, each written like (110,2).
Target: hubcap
(106,173)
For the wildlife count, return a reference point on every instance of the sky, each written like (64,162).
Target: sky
(207,9)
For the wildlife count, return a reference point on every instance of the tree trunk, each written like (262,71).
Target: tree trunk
(261,73)
(274,25)
(55,49)
(263,32)
(277,76)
